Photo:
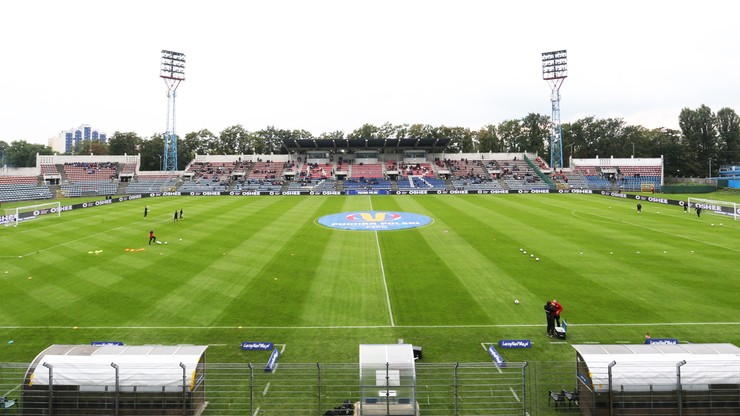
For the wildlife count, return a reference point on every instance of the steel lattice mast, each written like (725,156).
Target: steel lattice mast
(554,71)
(172,71)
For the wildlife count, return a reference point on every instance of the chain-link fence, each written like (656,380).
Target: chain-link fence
(450,389)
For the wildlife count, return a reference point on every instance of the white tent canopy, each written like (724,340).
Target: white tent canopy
(86,365)
(639,366)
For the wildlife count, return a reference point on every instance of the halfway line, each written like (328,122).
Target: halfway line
(382,272)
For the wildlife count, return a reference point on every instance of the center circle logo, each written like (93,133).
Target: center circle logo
(374,220)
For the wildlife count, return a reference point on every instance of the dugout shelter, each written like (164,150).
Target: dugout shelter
(387,380)
(116,380)
(655,379)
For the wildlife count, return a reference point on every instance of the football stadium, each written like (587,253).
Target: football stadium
(312,284)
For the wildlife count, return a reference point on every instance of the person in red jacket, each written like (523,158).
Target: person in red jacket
(558,309)
(152,237)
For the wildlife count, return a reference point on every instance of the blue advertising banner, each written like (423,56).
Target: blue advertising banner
(260,346)
(662,341)
(515,343)
(272,362)
(496,356)
(107,343)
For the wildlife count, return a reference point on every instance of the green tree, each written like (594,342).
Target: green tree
(487,139)
(421,131)
(536,133)
(200,142)
(3,149)
(124,143)
(511,135)
(152,153)
(234,140)
(332,135)
(728,128)
(461,139)
(21,154)
(699,129)
(667,143)
(270,140)
(87,147)
(366,132)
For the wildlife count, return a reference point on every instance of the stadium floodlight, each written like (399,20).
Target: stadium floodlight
(172,71)
(554,71)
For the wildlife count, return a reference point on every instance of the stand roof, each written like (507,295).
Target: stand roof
(653,364)
(91,365)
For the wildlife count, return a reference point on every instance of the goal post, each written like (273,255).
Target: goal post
(714,206)
(13,216)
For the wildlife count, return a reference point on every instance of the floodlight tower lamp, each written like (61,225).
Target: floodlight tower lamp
(172,71)
(554,71)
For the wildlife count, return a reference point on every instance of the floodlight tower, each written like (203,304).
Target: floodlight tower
(554,71)
(172,71)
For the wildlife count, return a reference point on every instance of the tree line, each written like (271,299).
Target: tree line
(705,140)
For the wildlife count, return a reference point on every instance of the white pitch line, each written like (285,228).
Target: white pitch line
(483,344)
(515,395)
(367,326)
(385,282)
(257,410)
(267,387)
(382,273)
(573,212)
(364,326)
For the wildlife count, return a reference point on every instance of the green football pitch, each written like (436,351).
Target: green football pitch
(263,269)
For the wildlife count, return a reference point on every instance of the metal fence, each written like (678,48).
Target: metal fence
(320,389)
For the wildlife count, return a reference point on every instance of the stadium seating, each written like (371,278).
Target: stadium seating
(367,184)
(367,170)
(144,184)
(22,188)
(267,170)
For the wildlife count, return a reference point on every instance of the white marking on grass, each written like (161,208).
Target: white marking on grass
(256,411)
(483,344)
(516,397)
(361,326)
(267,387)
(385,281)
(382,273)
(691,238)
(102,233)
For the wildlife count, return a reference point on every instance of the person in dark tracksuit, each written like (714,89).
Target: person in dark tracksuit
(550,314)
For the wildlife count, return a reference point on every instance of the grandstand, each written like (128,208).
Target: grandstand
(618,174)
(325,170)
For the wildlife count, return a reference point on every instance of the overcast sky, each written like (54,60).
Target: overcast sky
(324,66)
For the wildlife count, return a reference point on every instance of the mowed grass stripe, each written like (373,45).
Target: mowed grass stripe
(240,262)
(465,277)
(414,269)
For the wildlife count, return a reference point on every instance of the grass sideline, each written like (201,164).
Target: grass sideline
(261,269)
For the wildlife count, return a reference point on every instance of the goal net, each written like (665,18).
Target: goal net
(729,209)
(13,216)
